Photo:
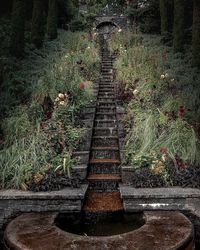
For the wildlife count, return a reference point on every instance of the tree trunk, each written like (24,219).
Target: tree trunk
(38,21)
(179,25)
(196,33)
(132,10)
(18,27)
(52,19)
(164,16)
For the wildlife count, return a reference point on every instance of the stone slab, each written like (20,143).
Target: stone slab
(67,193)
(128,192)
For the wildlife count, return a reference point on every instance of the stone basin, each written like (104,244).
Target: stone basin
(163,230)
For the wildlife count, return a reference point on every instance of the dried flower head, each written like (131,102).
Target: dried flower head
(61,96)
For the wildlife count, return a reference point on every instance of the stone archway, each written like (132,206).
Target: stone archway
(107,27)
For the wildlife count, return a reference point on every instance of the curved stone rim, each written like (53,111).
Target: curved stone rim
(37,231)
(106,23)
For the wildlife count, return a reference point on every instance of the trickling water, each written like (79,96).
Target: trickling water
(111,130)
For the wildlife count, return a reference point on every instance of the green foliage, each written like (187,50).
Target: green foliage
(164,109)
(16,126)
(31,143)
(67,164)
(78,24)
(22,160)
(35,113)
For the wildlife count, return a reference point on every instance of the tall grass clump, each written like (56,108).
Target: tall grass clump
(52,86)
(165,102)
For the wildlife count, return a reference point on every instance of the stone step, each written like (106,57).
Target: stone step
(107,59)
(107,72)
(98,131)
(104,168)
(106,82)
(104,182)
(102,104)
(105,99)
(105,152)
(106,109)
(105,116)
(105,160)
(106,94)
(105,123)
(109,93)
(106,87)
(107,79)
(103,202)
(105,131)
(102,177)
(105,140)
(106,76)
(107,64)
(106,67)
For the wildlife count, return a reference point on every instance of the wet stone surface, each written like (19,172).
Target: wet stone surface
(161,231)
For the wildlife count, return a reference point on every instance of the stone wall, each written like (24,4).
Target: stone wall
(184,199)
(13,202)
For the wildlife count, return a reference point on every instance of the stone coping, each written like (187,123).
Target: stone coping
(67,193)
(162,230)
(174,192)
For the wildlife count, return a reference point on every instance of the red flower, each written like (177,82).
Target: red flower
(42,126)
(181,111)
(82,85)
(163,150)
(48,115)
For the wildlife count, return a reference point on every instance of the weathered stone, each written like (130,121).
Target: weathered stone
(162,230)
(79,171)
(15,202)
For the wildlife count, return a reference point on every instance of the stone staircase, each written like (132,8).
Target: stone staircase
(104,164)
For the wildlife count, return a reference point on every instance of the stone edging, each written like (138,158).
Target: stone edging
(13,202)
(176,198)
